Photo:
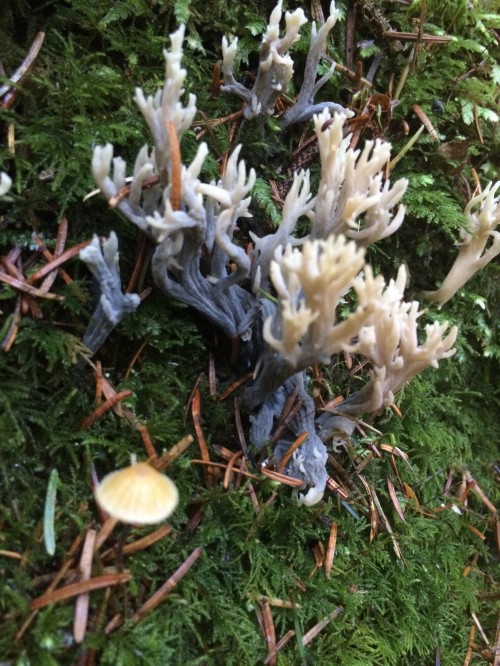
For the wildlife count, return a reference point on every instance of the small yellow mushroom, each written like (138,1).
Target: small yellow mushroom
(138,494)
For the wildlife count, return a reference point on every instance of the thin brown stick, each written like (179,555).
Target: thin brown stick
(58,261)
(425,120)
(336,488)
(104,532)
(395,500)
(26,288)
(123,192)
(281,478)
(173,453)
(196,416)
(414,37)
(212,376)
(269,630)
(148,442)
(134,358)
(98,382)
(11,334)
(175,175)
(102,409)
(11,554)
(78,588)
(468,654)
(167,587)
(330,550)
(82,602)
(300,440)
(480,628)
(62,235)
(9,90)
(496,646)
(239,429)
(254,498)
(229,473)
(140,544)
(279,645)
(139,264)
(314,631)
(238,469)
(55,582)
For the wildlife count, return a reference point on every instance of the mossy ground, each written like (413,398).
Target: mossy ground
(411,609)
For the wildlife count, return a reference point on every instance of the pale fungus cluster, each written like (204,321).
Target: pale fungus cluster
(198,261)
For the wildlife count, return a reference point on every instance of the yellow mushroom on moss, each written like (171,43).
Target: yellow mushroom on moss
(137,494)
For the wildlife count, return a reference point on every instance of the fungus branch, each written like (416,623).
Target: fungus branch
(113,305)
(276,69)
(483,216)
(353,197)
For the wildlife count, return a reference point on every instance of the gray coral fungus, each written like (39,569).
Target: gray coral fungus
(354,206)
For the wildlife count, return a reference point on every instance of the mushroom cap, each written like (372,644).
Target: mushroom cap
(137,494)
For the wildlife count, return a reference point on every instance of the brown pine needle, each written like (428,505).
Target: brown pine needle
(385,522)
(148,442)
(26,288)
(332,485)
(394,498)
(300,440)
(135,357)
(319,555)
(374,518)
(314,631)
(164,461)
(175,156)
(196,416)
(269,630)
(278,603)
(82,602)
(414,36)
(279,645)
(235,385)
(229,473)
(468,654)
(281,478)
(115,622)
(62,235)
(238,469)
(333,403)
(410,494)
(396,410)
(140,544)
(8,341)
(253,497)
(125,190)
(58,261)
(102,409)
(475,531)
(425,121)
(477,491)
(55,582)
(11,554)
(480,628)
(98,382)
(79,588)
(9,91)
(167,587)
(330,550)
(496,646)
(104,532)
